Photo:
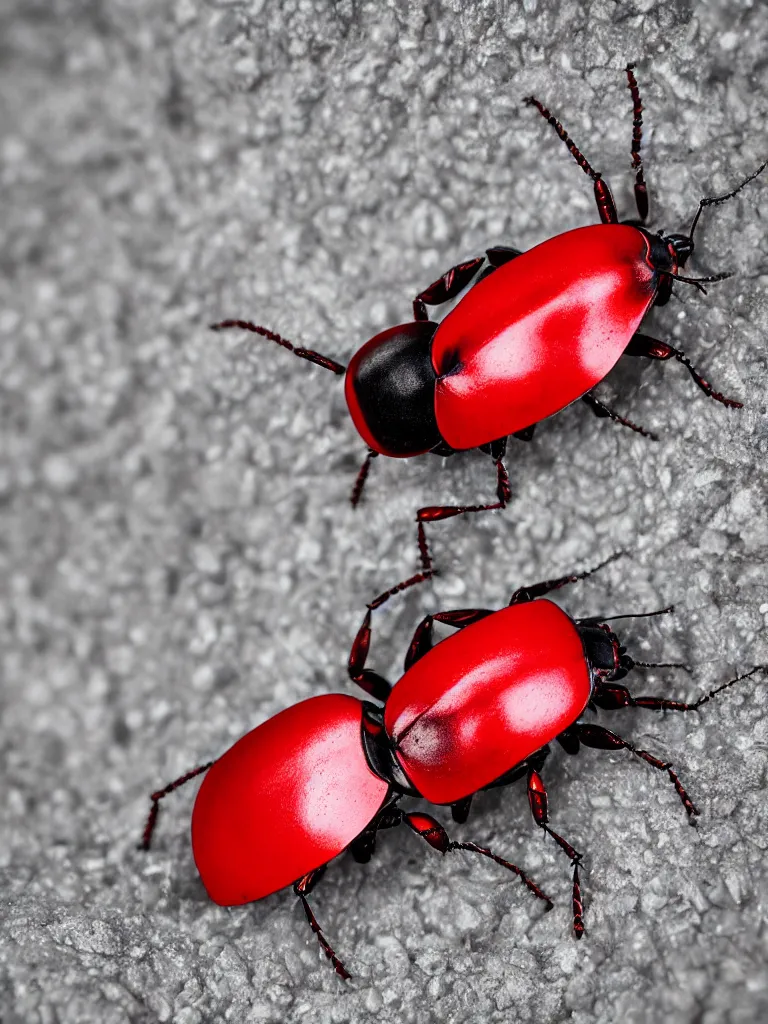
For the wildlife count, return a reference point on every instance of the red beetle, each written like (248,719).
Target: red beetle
(536,331)
(477,711)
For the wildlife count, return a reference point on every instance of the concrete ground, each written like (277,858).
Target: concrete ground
(178,558)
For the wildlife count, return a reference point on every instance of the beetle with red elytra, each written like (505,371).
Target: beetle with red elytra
(476,711)
(536,331)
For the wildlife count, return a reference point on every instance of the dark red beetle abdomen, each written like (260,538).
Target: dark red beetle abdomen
(486,698)
(285,799)
(390,391)
(539,332)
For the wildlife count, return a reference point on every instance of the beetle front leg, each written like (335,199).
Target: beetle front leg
(612,696)
(534,590)
(433,513)
(537,799)
(445,287)
(649,348)
(301,888)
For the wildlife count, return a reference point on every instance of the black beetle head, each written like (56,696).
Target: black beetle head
(682,246)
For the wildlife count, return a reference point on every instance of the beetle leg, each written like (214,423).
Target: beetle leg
(606,207)
(496,449)
(446,287)
(498,255)
(460,810)
(568,741)
(412,581)
(421,642)
(601,738)
(601,410)
(433,513)
(363,847)
(659,664)
(362,476)
(302,353)
(301,888)
(530,593)
(537,799)
(526,434)
(374,684)
(422,639)
(611,697)
(641,189)
(432,831)
(650,348)
(149,828)
(600,620)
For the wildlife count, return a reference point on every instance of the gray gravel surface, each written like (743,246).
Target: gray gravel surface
(178,560)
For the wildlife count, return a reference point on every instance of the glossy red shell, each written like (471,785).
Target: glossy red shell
(539,332)
(285,799)
(484,699)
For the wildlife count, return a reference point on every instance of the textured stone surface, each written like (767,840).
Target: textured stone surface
(177,557)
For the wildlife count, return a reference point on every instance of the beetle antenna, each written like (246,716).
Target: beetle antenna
(302,353)
(662,664)
(699,282)
(715,200)
(638,615)
(724,686)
